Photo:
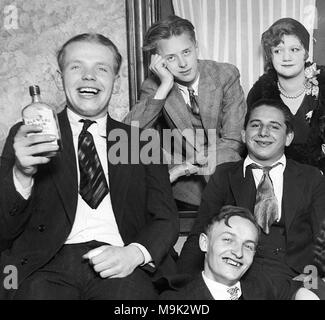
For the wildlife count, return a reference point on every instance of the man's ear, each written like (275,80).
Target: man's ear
(243,136)
(289,138)
(203,242)
(197,47)
(117,84)
(58,78)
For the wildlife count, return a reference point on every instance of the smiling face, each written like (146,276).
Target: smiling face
(288,57)
(229,250)
(266,135)
(181,54)
(88,78)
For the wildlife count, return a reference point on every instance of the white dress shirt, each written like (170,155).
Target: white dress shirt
(185,93)
(91,224)
(276,175)
(219,290)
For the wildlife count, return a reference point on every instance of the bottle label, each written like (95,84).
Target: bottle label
(45,119)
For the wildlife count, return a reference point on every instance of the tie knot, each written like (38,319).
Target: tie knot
(266,169)
(87,123)
(233,291)
(190,91)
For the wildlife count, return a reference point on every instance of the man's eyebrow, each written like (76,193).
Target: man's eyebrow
(251,241)
(228,232)
(276,122)
(74,61)
(272,122)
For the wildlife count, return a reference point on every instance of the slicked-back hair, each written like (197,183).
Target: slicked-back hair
(165,29)
(92,38)
(226,212)
(277,104)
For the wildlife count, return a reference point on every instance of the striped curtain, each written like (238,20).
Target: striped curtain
(230,30)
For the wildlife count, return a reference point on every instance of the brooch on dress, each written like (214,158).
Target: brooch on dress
(308,115)
(311,82)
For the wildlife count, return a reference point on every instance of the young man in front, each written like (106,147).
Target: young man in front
(287,198)
(229,243)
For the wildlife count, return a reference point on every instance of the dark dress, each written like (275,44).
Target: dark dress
(309,131)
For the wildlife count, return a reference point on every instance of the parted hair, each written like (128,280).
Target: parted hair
(165,29)
(226,212)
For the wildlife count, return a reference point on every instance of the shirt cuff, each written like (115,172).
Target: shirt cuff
(24,192)
(145,252)
(156,102)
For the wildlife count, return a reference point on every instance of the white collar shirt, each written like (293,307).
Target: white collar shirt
(184,90)
(219,290)
(93,224)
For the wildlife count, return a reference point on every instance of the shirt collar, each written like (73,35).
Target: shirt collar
(76,125)
(219,290)
(195,86)
(248,161)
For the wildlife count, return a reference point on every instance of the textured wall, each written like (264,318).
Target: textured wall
(31,32)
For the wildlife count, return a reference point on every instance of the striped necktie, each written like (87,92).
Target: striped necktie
(93,185)
(193,101)
(266,209)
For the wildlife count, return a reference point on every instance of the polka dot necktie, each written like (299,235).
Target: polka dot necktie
(233,292)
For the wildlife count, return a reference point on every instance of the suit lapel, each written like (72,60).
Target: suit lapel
(176,109)
(119,174)
(178,115)
(291,192)
(209,95)
(64,168)
(244,189)
(200,289)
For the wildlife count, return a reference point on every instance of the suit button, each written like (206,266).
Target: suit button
(277,251)
(13,211)
(41,227)
(23,261)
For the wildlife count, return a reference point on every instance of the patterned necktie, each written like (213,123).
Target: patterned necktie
(93,185)
(233,291)
(193,100)
(266,204)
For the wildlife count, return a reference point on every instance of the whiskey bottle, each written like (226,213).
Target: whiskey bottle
(43,115)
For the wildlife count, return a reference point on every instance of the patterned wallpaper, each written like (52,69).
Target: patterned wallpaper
(31,32)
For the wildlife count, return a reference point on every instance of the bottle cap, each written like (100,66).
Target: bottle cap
(34,90)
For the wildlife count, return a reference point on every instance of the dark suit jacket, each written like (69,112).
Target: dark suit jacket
(252,289)
(140,194)
(222,109)
(303,207)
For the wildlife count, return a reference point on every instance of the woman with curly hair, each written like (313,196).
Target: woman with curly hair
(299,84)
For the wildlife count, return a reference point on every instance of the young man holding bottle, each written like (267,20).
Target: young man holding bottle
(73,236)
